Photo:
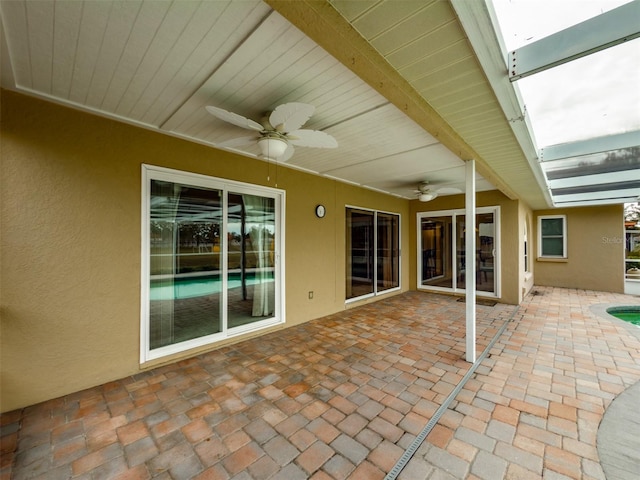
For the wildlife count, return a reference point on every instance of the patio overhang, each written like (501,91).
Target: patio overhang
(582,171)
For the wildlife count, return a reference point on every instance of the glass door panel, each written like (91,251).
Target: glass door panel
(461,261)
(251,231)
(388,262)
(436,252)
(360,253)
(486,248)
(184,265)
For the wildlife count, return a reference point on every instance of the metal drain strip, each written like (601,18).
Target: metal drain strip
(411,450)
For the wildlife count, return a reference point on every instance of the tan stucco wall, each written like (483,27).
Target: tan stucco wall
(510,266)
(70,245)
(526,224)
(595,249)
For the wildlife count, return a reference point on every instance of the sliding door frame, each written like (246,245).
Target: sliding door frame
(149,173)
(375,291)
(453,248)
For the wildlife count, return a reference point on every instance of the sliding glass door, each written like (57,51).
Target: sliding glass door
(372,252)
(210,251)
(442,257)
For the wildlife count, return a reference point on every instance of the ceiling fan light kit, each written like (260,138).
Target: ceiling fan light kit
(425,192)
(272,147)
(280,132)
(427,197)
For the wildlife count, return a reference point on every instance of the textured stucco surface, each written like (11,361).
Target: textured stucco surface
(71,242)
(595,250)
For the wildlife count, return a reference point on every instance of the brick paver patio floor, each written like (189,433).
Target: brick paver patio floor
(344,396)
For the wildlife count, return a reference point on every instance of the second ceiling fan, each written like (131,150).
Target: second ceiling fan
(425,192)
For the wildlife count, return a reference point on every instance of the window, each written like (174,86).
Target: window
(632,255)
(372,252)
(552,236)
(211,264)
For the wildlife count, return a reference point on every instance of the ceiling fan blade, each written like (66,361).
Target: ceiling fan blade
(312,138)
(448,190)
(238,142)
(234,119)
(290,116)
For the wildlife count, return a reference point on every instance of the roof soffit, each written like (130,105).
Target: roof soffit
(333,32)
(320,20)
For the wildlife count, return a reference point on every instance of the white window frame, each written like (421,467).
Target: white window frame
(526,248)
(496,258)
(634,278)
(151,172)
(375,292)
(564,236)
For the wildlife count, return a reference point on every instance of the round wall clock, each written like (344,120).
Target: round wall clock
(320,211)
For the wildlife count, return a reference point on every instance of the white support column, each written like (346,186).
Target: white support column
(470,259)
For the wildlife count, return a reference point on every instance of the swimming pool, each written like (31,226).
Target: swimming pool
(629,314)
(173,289)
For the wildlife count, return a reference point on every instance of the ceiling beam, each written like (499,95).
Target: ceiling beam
(590,146)
(321,22)
(604,31)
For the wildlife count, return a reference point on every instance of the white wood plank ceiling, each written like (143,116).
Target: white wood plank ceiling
(158,63)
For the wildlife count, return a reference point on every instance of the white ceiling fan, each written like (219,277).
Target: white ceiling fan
(279,132)
(425,193)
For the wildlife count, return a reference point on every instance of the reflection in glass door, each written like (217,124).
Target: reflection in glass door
(360,248)
(437,269)
(250,259)
(486,245)
(461,261)
(442,250)
(184,274)
(388,259)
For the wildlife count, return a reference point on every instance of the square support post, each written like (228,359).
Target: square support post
(470,259)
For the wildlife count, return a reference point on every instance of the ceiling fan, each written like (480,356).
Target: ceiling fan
(279,132)
(425,193)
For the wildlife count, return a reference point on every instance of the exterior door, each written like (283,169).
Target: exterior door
(442,257)
(211,260)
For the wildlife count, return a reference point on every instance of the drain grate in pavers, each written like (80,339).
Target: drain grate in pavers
(484,303)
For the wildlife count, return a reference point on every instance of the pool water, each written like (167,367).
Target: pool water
(193,287)
(628,314)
